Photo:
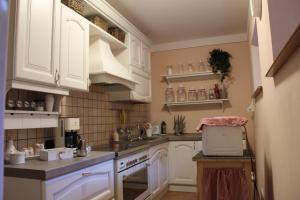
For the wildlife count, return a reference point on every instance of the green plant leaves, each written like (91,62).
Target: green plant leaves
(220,62)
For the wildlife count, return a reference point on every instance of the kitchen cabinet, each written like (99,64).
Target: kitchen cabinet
(36,48)
(145,58)
(135,51)
(95,182)
(74,58)
(182,170)
(158,176)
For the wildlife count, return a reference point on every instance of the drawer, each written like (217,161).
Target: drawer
(95,182)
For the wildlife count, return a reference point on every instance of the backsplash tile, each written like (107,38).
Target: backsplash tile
(98,117)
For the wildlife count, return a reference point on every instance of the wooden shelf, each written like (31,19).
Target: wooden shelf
(191,76)
(115,44)
(189,103)
(291,46)
(257,92)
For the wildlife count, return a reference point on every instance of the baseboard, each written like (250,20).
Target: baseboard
(183,188)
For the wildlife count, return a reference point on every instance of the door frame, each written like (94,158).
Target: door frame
(4,13)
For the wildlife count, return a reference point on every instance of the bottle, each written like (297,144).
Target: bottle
(169,69)
(163,127)
(190,68)
(10,148)
(201,66)
(217,91)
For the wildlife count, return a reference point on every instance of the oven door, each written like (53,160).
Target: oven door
(134,183)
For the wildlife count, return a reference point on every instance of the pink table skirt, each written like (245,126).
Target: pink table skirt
(225,184)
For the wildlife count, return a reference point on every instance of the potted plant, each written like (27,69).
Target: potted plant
(219,62)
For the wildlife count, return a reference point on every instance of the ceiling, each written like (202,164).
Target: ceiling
(178,20)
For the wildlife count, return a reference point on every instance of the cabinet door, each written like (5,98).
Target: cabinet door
(135,51)
(36,49)
(154,174)
(74,50)
(145,58)
(95,183)
(163,169)
(182,169)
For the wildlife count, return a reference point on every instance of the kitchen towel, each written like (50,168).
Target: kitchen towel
(222,121)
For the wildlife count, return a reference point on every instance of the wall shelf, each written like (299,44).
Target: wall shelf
(291,46)
(191,76)
(189,103)
(115,44)
(23,119)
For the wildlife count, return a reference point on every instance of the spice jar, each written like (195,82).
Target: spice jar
(192,94)
(169,94)
(181,94)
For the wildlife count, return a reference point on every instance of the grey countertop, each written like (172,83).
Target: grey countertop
(201,157)
(43,170)
(124,149)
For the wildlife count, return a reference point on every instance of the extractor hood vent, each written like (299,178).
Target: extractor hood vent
(105,68)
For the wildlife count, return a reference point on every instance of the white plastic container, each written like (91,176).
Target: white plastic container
(55,154)
(222,141)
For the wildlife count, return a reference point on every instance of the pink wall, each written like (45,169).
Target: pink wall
(276,117)
(239,91)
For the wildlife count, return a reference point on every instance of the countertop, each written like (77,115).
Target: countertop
(43,170)
(37,169)
(201,157)
(124,149)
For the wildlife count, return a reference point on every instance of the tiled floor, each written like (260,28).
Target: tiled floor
(180,196)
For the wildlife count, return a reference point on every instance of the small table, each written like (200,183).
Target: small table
(222,162)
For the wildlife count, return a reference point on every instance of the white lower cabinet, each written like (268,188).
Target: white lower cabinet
(182,170)
(95,182)
(158,176)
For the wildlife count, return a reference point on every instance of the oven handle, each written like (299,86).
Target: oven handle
(91,173)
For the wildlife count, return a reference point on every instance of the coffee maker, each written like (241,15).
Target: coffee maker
(67,133)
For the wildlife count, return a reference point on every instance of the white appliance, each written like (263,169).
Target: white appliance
(67,133)
(222,141)
(132,178)
(105,68)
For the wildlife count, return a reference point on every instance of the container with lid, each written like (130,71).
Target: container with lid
(202,94)
(192,94)
(169,94)
(190,68)
(181,94)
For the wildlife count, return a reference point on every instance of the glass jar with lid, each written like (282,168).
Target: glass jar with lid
(190,68)
(192,94)
(202,94)
(169,94)
(181,94)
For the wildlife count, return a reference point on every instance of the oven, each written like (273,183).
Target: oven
(132,178)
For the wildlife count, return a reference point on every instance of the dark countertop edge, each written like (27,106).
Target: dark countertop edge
(200,157)
(53,173)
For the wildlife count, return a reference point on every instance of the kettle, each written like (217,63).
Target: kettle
(81,150)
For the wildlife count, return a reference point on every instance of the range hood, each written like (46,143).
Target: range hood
(105,68)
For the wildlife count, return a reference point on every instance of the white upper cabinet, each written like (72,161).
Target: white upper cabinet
(36,49)
(182,169)
(135,51)
(74,57)
(145,58)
